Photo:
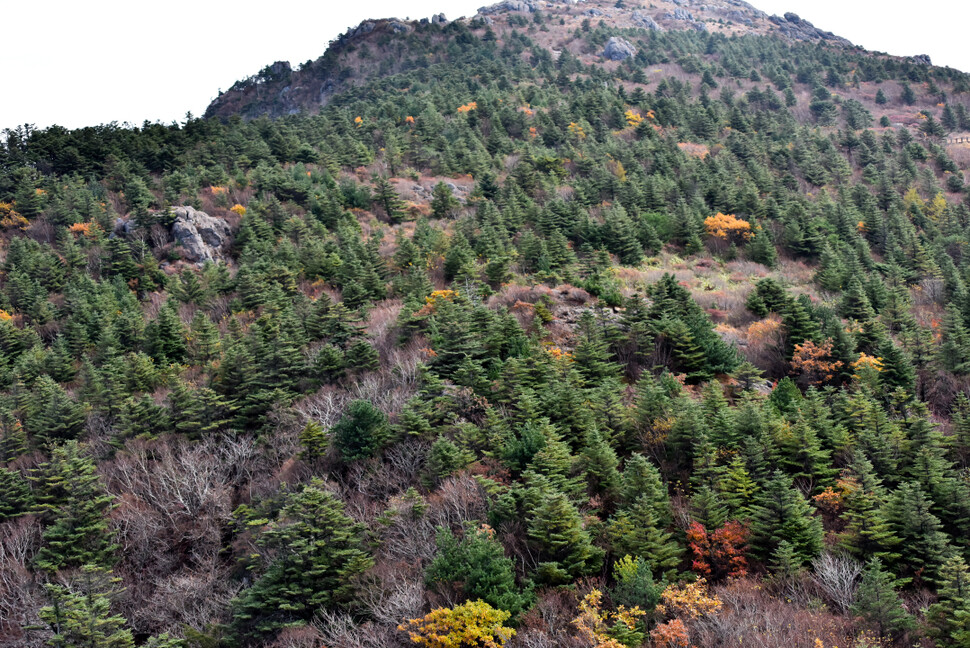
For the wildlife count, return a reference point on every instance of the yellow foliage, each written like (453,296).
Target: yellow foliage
(633,119)
(576,131)
(559,354)
(359,121)
(690,600)
(468,107)
(218,190)
(911,198)
(936,207)
(238,209)
(84,229)
(9,218)
(728,226)
(593,622)
(474,624)
(866,362)
(4,315)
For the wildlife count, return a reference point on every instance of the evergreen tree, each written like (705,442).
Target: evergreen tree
(878,603)
(780,512)
(79,615)
(565,549)
(361,432)
(315,549)
(74,506)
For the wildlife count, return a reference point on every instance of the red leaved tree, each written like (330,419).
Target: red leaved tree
(719,554)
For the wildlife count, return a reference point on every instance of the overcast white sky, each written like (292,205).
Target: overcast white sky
(81,63)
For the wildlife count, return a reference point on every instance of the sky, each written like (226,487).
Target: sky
(84,63)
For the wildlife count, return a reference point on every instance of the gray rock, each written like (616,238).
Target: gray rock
(618,49)
(795,28)
(365,27)
(647,22)
(438,19)
(679,14)
(530,6)
(202,237)
(593,13)
(922,59)
(398,27)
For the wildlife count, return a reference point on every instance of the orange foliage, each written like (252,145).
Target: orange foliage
(829,500)
(218,190)
(359,121)
(9,218)
(866,362)
(727,226)
(559,354)
(409,120)
(766,330)
(4,315)
(672,634)
(468,107)
(432,300)
(720,553)
(532,131)
(814,362)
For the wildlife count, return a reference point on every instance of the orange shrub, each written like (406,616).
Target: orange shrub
(672,634)
(813,363)
(728,227)
(468,107)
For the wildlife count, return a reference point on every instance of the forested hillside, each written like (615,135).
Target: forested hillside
(545,328)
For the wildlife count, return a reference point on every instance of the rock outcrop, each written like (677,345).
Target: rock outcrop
(201,237)
(679,14)
(641,19)
(794,27)
(530,6)
(619,49)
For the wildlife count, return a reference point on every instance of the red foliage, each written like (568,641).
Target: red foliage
(720,553)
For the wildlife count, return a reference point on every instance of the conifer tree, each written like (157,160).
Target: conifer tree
(878,603)
(779,513)
(565,549)
(361,432)
(73,503)
(79,614)
(315,549)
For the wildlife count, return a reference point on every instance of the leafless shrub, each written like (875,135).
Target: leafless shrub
(340,630)
(394,594)
(838,577)
(19,601)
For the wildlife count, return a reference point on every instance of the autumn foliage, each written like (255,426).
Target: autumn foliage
(720,553)
(728,227)
(672,634)
(813,363)
(474,624)
(10,218)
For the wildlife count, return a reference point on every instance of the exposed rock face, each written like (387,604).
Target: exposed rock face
(202,237)
(530,6)
(438,19)
(593,13)
(795,28)
(618,49)
(922,59)
(647,22)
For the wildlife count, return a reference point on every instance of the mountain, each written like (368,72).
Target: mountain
(567,324)
(377,47)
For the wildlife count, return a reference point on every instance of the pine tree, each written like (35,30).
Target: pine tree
(923,544)
(15,496)
(387,199)
(315,549)
(565,549)
(878,603)
(361,432)
(636,530)
(477,568)
(779,513)
(51,414)
(443,201)
(79,615)
(73,503)
(953,596)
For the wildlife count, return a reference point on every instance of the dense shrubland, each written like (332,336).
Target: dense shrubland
(509,349)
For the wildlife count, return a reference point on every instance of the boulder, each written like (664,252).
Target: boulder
(202,237)
(679,14)
(922,59)
(438,19)
(795,28)
(530,6)
(593,13)
(619,49)
(641,19)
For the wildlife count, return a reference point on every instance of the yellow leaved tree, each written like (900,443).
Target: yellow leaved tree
(473,624)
